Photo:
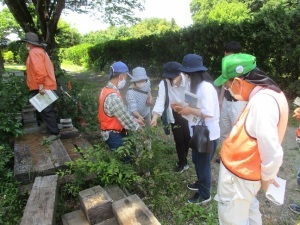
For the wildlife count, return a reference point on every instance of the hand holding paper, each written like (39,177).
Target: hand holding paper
(276,194)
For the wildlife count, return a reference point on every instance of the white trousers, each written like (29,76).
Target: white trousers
(237,203)
(230,113)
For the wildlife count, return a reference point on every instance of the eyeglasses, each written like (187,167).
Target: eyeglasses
(227,88)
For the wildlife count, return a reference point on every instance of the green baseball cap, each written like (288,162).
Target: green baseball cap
(235,65)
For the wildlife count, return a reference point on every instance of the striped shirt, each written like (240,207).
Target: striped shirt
(114,106)
(137,101)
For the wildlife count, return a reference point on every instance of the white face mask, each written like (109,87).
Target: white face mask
(27,47)
(238,96)
(140,85)
(121,83)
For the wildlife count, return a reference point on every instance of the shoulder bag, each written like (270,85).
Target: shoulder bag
(165,115)
(200,139)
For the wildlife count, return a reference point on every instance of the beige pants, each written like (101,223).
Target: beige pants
(237,203)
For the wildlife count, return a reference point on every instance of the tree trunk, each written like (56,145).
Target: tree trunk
(1,63)
(48,15)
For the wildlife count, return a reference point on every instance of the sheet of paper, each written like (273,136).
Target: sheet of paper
(194,101)
(297,101)
(276,194)
(40,102)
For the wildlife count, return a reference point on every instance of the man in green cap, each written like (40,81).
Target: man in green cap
(252,154)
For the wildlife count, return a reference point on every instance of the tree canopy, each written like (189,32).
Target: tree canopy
(42,16)
(204,11)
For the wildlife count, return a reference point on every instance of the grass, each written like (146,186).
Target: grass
(14,67)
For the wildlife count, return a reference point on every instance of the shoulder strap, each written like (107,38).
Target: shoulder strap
(166,94)
(144,92)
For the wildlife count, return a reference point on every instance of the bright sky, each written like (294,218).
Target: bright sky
(168,9)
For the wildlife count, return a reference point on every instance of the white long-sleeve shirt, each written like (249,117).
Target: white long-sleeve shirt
(261,123)
(176,95)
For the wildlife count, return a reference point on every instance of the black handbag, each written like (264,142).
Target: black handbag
(165,117)
(200,140)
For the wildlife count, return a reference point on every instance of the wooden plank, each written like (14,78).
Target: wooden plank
(59,155)
(115,192)
(41,204)
(75,218)
(133,211)
(23,167)
(32,158)
(96,204)
(82,143)
(111,221)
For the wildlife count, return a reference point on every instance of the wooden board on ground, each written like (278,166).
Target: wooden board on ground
(111,221)
(96,204)
(133,211)
(115,192)
(32,158)
(41,204)
(75,218)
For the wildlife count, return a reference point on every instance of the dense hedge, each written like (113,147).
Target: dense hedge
(272,36)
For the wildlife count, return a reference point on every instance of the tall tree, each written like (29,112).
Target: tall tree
(42,16)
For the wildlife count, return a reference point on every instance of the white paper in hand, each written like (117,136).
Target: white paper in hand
(276,194)
(40,102)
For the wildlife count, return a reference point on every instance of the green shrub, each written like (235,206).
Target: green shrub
(77,55)
(13,95)
(8,56)
(11,203)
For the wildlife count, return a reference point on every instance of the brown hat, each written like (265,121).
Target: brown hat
(32,38)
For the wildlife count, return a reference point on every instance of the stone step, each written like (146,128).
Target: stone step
(133,211)
(33,159)
(41,204)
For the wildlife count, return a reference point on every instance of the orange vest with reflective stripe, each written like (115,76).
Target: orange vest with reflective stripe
(239,151)
(107,122)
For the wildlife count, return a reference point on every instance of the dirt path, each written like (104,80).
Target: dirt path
(273,214)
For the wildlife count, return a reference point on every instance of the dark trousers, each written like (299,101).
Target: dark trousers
(181,133)
(203,169)
(48,117)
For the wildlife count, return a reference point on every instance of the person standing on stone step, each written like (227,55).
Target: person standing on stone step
(41,77)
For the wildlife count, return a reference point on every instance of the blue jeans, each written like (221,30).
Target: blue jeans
(115,140)
(203,169)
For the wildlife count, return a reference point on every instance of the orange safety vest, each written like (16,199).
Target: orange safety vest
(239,151)
(107,122)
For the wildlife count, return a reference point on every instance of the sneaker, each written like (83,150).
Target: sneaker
(295,208)
(193,187)
(53,137)
(198,200)
(180,169)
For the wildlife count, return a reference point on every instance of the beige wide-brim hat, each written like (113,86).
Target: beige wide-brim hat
(138,74)
(32,38)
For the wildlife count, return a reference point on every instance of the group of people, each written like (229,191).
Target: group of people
(254,115)
(251,154)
